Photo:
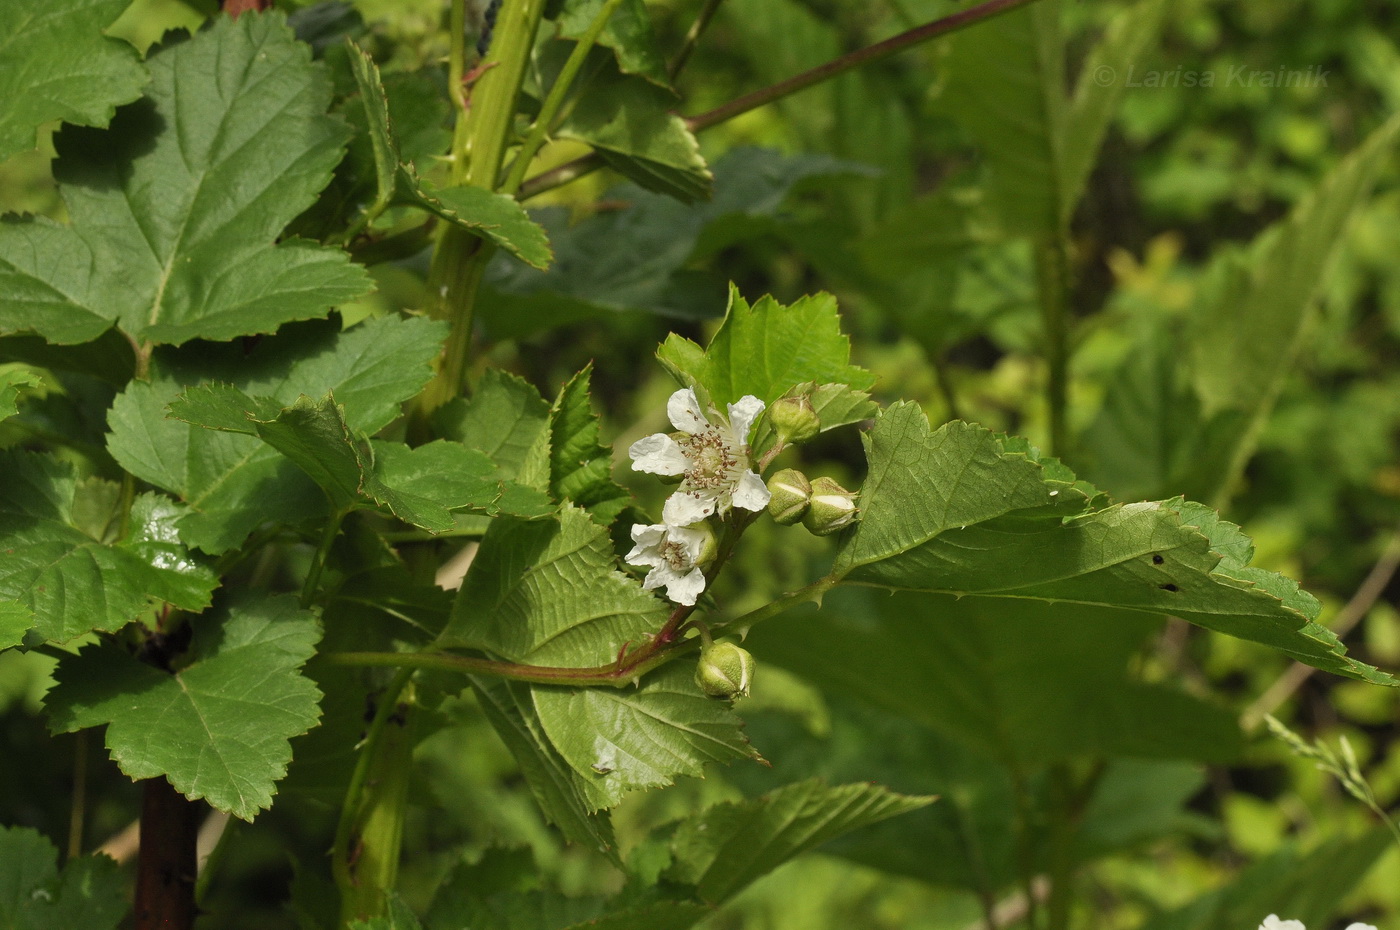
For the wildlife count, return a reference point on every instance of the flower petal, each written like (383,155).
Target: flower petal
(684,589)
(686,507)
(658,454)
(750,492)
(692,539)
(648,541)
(684,410)
(741,417)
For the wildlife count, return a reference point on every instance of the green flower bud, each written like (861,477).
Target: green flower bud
(833,508)
(791,493)
(725,671)
(794,420)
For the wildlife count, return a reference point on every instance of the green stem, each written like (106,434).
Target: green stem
(351,809)
(554,100)
(78,809)
(579,167)
(692,38)
(1052,274)
(318,561)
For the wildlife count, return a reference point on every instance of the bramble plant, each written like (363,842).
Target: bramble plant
(281,518)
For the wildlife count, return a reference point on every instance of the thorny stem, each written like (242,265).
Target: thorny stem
(579,167)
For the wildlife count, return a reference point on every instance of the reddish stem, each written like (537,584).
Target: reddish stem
(235,8)
(165,872)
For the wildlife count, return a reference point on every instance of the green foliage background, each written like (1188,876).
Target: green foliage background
(929,193)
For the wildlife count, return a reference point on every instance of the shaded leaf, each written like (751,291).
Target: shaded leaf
(726,847)
(627,32)
(55,64)
(219,726)
(12,384)
(507,419)
(73,582)
(90,892)
(172,233)
(625,739)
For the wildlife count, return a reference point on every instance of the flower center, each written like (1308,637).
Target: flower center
(712,459)
(674,555)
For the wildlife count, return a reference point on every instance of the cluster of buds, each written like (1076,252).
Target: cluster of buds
(823,506)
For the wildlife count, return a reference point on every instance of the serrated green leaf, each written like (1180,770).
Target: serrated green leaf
(726,847)
(175,208)
(629,122)
(74,583)
(232,482)
(567,798)
(960,511)
(219,726)
(15,621)
(627,32)
(1036,683)
(766,349)
(374,106)
(55,63)
(89,893)
(12,384)
(497,218)
(507,419)
(628,739)
(580,465)
(549,593)
(421,486)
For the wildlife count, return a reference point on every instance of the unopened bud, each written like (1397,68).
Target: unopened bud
(790,492)
(833,508)
(725,671)
(794,419)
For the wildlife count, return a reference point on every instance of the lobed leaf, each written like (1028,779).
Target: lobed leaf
(175,208)
(55,64)
(12,385)
(74,582)
(218,726)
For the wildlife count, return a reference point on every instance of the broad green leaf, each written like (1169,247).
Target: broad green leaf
(374,106)
(420,486)
(507,419)
(12,384)
(15,621)
(73,582)
(1020,681)
(1005,86)
(232,482)
(627,32)
(960,511)
(55,63)
(1306,887)
(642,258)
(219,726)
(549,593)
(567,798)
(580,465)
(766,349)
(629,122)
(497,218)
(90,892)
(174,209)
(1249,326)
(726,847)
(640,738)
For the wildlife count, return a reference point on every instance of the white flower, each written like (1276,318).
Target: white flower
(1273,923)
(1360,926)
(712,457)
(675,555)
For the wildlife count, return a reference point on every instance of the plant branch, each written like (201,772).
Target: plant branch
(579,167)
(318,561)
(692,37)
(554,100)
